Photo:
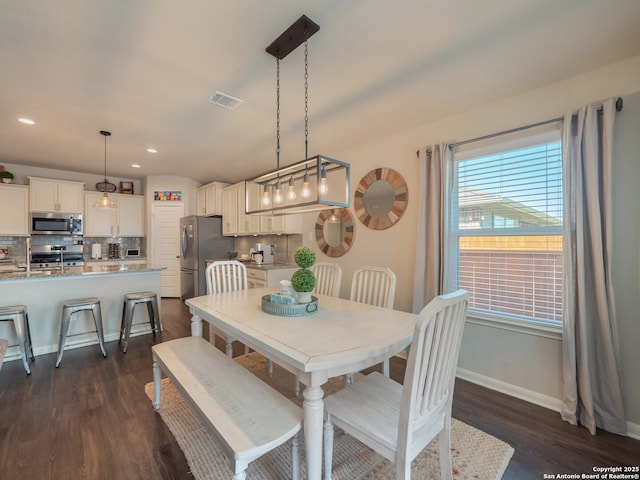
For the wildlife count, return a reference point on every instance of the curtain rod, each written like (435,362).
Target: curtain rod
(619,104)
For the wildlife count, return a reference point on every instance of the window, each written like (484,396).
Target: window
(506,225)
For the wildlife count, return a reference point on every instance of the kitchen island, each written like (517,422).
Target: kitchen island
(43,292)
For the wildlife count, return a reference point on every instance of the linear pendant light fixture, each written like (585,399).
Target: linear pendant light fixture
(105,186)
(315,183)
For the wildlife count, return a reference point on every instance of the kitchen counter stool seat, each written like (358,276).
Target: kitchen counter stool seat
(130,302)
(69,308)
(18,315)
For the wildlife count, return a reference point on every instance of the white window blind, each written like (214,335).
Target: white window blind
(506,224)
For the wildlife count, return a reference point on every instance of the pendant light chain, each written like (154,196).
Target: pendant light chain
(278,112)
(105,157)
(306,100)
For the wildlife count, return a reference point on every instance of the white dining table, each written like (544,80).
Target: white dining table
(341,337)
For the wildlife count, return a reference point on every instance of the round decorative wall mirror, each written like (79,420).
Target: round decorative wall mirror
(381,198)
(335,231)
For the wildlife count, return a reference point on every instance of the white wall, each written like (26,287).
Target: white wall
(519,362)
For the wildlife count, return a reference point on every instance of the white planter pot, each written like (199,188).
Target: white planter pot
(303,297)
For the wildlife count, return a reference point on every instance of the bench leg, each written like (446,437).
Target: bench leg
(229,349)
(156,385)
(296,386)
(240,469)
(328,447)
(295,457)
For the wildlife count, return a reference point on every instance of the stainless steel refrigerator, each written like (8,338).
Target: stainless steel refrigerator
(200,240)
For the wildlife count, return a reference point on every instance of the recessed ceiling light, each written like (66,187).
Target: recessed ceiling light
(135,165)
(26,121)
(152,150)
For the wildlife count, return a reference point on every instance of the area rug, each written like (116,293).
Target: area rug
(475,454)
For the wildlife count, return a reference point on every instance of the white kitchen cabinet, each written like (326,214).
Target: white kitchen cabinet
(247,224)
(125,220)
(131,216)
(236,222)
(281,224)
(266,276)
(230,210)
(49,195)
(209,199)
(14,210)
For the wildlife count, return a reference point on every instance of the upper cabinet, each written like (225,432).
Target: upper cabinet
(236,222)
(14,210)
(48,195)
(230,211)
(125,220)
(209,199)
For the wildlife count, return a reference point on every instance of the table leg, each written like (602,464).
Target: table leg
(313,408)
(196,326)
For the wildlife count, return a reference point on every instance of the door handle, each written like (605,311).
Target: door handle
(183,242)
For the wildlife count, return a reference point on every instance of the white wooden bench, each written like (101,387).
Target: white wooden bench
(246,415)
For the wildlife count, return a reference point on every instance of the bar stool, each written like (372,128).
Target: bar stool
(18,315)
(69,307)
(130,302)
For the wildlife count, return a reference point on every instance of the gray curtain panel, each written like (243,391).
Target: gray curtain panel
(591,355)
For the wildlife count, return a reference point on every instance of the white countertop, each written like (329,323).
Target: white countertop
(79,271)
(263,266)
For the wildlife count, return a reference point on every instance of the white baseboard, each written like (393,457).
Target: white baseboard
(83,341)
(633,430)
(546,401)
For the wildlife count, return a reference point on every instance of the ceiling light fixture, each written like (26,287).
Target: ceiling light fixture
(322,181)
(26,121)
(105,186)
(152,150)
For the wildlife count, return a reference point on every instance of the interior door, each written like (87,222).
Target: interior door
(165,246)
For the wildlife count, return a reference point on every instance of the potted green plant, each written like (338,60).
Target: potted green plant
(7,177)
(303,280)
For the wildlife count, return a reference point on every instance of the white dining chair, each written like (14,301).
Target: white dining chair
(373,286)
(228,276)
(225,276)
(328,278)
(399,421)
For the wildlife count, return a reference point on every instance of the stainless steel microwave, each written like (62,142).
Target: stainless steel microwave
(53,223)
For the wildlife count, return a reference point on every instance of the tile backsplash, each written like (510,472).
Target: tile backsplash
(17,246)
(285,245)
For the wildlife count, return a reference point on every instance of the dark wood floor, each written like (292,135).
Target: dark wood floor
(90,419)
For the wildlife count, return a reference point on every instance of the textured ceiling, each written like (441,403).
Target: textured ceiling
(145,69)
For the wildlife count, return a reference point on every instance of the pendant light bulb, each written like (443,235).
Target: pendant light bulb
(291,191)
(277,196)
(324,187)
(266,197)
(306,189)
(104,201)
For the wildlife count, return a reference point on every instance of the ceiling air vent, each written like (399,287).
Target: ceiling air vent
(224,100)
